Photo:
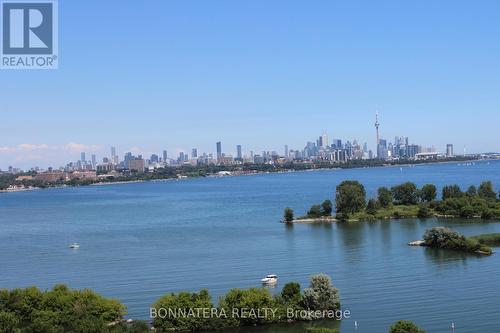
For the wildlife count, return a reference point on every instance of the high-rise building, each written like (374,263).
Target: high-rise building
(137,164)
(219,151)
(286,150)
(126,159)
(113,153)
(239,156)
(94,163)
(194,153)
(324,140)
(449,150)
(377,124)
(82,157)
(165,156)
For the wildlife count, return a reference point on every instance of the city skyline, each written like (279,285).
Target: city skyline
(236,151)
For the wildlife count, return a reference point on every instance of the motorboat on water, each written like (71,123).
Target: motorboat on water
(74,246)
(270,279)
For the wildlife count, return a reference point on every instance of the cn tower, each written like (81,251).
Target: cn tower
(376,127)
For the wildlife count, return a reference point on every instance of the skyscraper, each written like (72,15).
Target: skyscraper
(194,153)
(219,151)
(238,152)
(165,156)
(82,157)
(324,140)
(449,150)
(113,153)
(94,163)
(286,150)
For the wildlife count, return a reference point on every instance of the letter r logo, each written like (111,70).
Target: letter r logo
(27,27)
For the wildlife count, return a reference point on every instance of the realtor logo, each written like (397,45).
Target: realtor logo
(29,34)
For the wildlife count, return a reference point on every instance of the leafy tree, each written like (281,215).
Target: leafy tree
(486,191)
(56,311)
(467,211)
(428,193)
(371,206)
(384,196)
(314,211)
(253,298)
(405,194)
(288,214)
(350,197)
(404,326)
(452,191)
(471,191)
(184,301)
(326,208)
(321,294)
(291,292)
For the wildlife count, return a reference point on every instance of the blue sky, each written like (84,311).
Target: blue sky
(152,75)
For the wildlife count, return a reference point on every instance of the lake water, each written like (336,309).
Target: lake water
(141,240)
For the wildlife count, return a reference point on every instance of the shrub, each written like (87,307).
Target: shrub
(423,212)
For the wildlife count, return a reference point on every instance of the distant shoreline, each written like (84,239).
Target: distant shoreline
(256,172)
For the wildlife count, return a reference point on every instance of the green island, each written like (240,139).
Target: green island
(402,201)
(444,238)
(36,179)
(30,310)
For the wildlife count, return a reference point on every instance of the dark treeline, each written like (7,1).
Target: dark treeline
(407,200)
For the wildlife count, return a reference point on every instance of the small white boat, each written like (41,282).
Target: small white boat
(270,279)
(74,246)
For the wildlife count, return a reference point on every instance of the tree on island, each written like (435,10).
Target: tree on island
(314,211)
(288,214)
(471,191)
(486,191)
(405,194)
(428,193)
(452,191)
(326,208)
(405,326)
(350,198)
(384,196)
(371,206)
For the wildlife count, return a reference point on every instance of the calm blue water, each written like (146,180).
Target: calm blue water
(139,241)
